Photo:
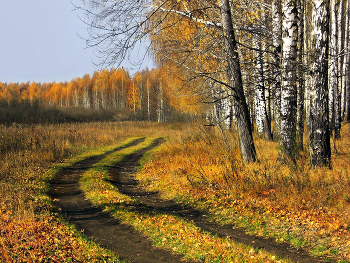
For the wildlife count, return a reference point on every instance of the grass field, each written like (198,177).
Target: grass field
(294,203)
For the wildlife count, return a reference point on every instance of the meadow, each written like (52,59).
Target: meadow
(309,208)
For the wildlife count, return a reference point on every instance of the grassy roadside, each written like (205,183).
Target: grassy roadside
(164,230)
(296,204)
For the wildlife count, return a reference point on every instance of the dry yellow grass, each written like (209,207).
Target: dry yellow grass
(308,207)
(267,197)
(26,154)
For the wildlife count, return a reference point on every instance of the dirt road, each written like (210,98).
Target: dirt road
(123,239)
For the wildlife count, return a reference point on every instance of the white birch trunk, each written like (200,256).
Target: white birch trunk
(347,70)
(160,104)
(86,98)
(333,62)
(226,105)
(148,103)
(337,88)
(262,120)
(301,76)
(134,98)
(289,70)
(277,44)
(76,98)
(318,123)
(342,67)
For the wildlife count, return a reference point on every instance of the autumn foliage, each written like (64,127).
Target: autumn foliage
(106,95)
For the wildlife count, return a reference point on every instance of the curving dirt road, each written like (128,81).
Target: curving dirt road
(123,239)
(98,225)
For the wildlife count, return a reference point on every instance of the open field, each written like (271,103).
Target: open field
(293,203)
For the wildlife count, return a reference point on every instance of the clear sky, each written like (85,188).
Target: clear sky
(40,42)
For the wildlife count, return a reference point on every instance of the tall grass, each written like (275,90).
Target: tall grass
(29,112)
(203,161)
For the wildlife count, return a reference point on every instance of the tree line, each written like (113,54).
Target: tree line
(143,96)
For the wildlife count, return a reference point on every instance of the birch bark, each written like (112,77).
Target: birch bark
(277,44)
(319,135)
(301,76)
(289,80)
(333,62)
(342,66)
(347,71)
(262,119)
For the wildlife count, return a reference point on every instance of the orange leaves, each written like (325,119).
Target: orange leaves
(37,241)
(133,97)
(44,240)
(185,47)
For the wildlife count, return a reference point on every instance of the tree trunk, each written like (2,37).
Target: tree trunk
(334,93)
(347,70)
(337,88)
(301,77)
(289,78)
(148,103)
(134,98)
(262,119)
(319,135)
(343,44)
(241,111)
(277,44)
(333,62)
(160,110)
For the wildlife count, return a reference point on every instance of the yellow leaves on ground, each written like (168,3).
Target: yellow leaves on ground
(295,204)
(39,241)
(28,233)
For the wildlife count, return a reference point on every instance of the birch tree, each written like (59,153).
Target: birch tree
(301,75)
(334,93)
(318,123)
(342,58)
(289,79)
(277,46)
(262,118)
(347,70)
(235,81)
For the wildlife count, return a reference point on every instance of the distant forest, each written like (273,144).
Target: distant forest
(104,96)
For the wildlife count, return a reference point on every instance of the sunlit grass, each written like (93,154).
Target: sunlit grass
(164,230)
(29,157)
(307,207)
(294,203)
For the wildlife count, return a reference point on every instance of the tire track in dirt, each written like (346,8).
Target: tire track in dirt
(101,226)
(151,203)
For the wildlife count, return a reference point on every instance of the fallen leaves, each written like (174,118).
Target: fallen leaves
(34,240)
(266,198)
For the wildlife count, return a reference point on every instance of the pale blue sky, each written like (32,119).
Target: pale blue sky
(39,42)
